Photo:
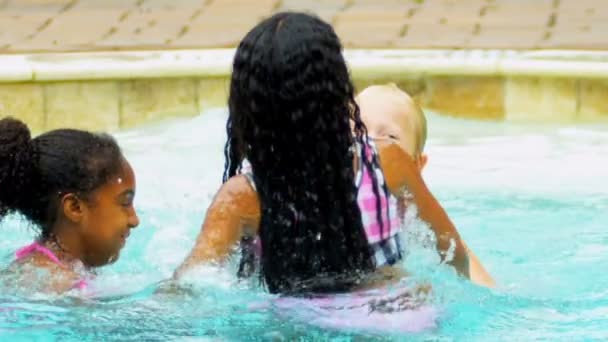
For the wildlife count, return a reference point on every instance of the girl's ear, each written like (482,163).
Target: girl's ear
(72,207)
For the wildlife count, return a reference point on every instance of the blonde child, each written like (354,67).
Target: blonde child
(391,114)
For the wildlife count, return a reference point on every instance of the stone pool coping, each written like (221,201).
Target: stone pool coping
(115,90)
(363,63)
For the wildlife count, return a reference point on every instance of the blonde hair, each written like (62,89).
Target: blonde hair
(421,124)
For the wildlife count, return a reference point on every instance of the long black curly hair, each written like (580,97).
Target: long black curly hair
(294,118)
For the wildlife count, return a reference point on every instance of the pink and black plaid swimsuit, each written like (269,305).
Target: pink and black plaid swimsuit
(384,240)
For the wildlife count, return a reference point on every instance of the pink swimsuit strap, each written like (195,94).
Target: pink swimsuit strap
(366,198)
(37,247)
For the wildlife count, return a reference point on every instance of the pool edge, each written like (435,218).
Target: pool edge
(115,90)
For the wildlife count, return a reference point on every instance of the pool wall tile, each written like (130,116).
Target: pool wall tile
(414,85)
(541,99)
(212,93)
(150,100)
(112,104)
(24,101)
(90,105)
(593,100)
(466,97)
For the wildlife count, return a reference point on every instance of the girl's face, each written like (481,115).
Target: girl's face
(108,217)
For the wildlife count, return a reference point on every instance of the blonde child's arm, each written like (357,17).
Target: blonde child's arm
(401,174)
(235,207)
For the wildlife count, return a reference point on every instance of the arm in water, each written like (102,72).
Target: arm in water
(479,275)
(235,207)
(401,174)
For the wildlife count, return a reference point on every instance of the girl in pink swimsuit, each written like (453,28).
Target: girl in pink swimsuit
(77,189)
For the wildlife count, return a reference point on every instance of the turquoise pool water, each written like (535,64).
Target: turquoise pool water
(531,201)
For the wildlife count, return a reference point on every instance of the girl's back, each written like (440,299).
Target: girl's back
(293,117)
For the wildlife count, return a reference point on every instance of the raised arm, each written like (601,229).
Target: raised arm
(401,174)
(235,207)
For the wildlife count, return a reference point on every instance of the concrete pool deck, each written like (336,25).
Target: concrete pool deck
(99,25)
(112,64)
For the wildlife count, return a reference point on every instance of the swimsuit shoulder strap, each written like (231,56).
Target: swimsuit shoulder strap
(247,171)
(37,247)
(249,176)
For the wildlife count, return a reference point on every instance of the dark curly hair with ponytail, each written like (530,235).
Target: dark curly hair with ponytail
(35,173)
(292,115)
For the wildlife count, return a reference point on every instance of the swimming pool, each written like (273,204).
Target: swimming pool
(529,200)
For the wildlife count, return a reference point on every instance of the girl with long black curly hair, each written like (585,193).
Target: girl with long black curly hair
(315,202)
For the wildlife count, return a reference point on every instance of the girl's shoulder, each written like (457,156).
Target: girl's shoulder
(37,274)
(240,194)
(237,186)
